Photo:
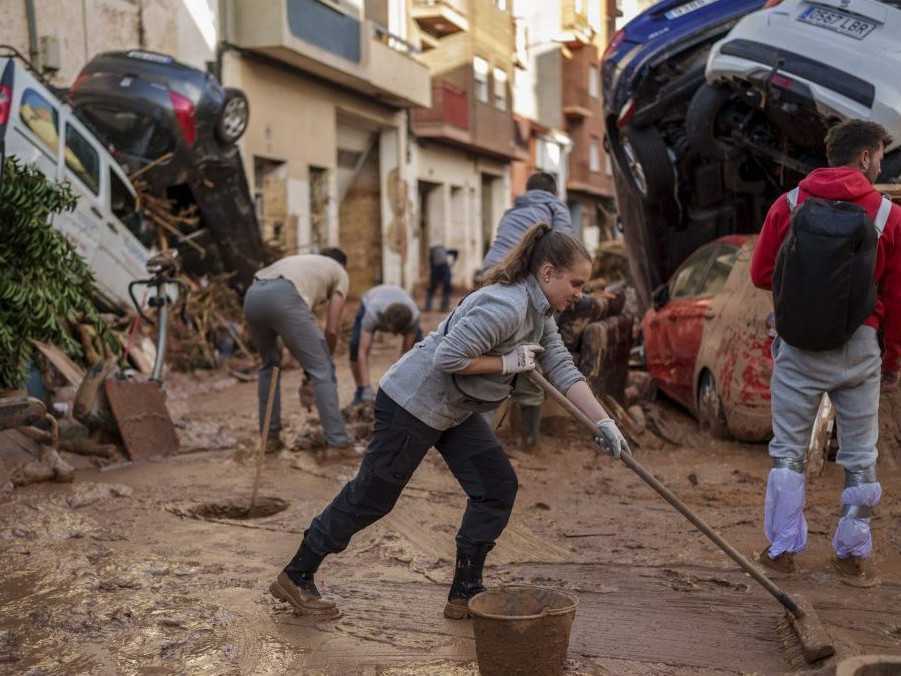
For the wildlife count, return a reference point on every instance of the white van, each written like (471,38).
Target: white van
(106,227)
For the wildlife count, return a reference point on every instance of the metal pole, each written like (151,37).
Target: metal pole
(162,329)
(31,19)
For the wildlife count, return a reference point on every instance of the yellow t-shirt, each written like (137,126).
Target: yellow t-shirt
(317,278)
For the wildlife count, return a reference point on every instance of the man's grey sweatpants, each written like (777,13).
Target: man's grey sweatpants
(851,375)
(274,310)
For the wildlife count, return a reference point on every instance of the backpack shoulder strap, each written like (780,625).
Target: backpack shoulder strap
(792,198)
(885,210)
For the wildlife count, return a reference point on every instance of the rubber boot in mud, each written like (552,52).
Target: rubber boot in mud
(855,571)
(531,426)
(467,581)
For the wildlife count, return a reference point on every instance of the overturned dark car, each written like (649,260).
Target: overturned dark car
(178,127)
(710,114)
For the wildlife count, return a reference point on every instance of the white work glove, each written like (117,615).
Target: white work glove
(521,359)
(611,439)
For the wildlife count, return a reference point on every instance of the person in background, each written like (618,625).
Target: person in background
(440,275)
(383,308)
(838,317)
(432,396)
(280,304)
(539,204)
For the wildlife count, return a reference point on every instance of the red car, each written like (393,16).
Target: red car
(707,340)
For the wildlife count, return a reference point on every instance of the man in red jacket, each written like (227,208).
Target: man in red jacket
(852,375)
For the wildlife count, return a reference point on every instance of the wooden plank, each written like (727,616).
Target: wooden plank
(61,362)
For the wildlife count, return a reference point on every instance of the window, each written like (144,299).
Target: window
(480,75)
(608,165)
(82,159)
(594,81)
(579,6)
(594,156)
(688,280)
(500,89)
(40,117)
(719,271)
(134,134)
(501,5)
(125,207)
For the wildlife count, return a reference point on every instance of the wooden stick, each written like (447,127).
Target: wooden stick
(160,160)
(264,438)
(181,238)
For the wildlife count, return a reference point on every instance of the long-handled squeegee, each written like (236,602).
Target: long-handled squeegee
(814,640)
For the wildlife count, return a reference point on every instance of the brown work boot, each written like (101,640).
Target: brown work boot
(855,571)
(304,598)
(784,563)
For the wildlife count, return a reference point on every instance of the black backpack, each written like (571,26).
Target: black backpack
(823,284)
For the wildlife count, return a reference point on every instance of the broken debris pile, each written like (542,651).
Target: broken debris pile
(599,331)
(359,419)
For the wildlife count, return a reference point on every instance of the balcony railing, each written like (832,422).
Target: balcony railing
(396,42)
(450,106)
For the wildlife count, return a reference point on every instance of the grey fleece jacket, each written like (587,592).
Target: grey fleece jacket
(489,322)
(535,206)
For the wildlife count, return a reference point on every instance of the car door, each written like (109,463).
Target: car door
(680,324)
(697,314)
(83,168)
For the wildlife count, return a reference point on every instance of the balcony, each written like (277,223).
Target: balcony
(439,18)
(338,46)
(575,24)
(579,101)
(448,117)
(455,117)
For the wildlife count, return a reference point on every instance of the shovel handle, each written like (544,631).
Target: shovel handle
(671,498)
(264,436)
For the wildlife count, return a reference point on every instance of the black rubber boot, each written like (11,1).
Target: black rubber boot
(467,580)
(531,426)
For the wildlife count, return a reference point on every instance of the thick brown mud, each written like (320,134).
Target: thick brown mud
(119,573)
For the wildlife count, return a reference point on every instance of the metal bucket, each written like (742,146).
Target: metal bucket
(522,630)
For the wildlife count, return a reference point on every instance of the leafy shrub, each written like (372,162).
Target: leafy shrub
(46,288)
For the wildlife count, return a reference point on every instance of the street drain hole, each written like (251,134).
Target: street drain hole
(234,509)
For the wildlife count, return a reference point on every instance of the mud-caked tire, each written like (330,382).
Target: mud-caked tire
(711,416)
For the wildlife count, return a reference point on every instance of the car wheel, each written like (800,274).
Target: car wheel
(234,116)
(648,164)
(711,416)
(891,168)
(701,118)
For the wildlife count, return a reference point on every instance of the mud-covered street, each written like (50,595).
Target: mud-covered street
(117,572)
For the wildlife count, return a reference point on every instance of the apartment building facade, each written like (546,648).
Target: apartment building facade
(465,139)
(327,148)
(558,106)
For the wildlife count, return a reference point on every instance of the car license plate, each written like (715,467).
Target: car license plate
(838,22)
(687,8)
